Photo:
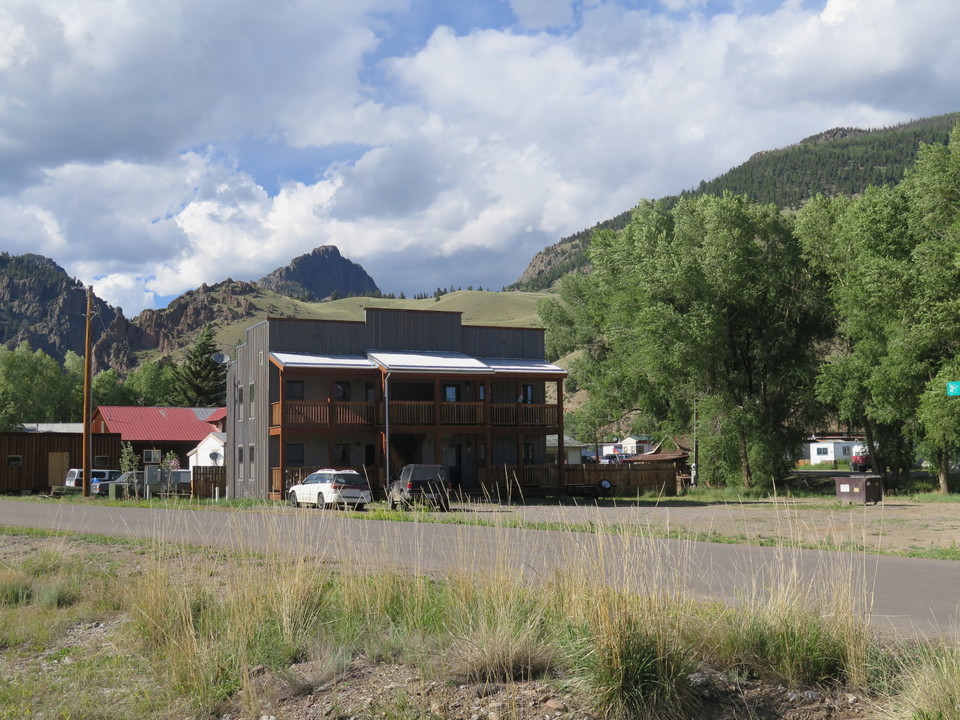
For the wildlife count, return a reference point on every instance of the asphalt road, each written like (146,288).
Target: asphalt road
(906,594)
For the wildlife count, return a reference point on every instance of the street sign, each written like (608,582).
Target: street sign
(953,387)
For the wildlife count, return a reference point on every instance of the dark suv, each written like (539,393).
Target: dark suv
(420,484)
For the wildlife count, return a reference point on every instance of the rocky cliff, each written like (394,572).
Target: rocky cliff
(318,275)
(42,305)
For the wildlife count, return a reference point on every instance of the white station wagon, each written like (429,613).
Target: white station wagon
(327,488)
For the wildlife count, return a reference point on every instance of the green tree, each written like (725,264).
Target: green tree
(712,303)
(33,388)
(201,381)
(109,389)
(152,384)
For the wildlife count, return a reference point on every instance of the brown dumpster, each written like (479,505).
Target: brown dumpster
(859,489)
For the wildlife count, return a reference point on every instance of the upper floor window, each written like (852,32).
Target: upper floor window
(293,389)
(341,390)
(451,393)
(252,394)
(526,394)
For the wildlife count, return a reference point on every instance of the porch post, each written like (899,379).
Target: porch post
(282,459)
(561,450)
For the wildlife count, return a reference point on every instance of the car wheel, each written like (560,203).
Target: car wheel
(359,507)
(321,502)
(394,504)
(293,499)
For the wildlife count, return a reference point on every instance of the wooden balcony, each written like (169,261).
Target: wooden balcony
(523,414)
(298,413)
(338,414)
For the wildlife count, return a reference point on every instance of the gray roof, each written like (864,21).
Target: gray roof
(53,427)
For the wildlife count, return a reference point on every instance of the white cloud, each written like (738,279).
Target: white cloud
(466,153)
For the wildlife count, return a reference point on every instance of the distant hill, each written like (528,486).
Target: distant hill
(319,275)
(842,161)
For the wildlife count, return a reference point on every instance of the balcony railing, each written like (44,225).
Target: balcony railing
(320,413)
(300,413)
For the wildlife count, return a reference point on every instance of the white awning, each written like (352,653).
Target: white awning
(427,362)
(521,365)
(333,362)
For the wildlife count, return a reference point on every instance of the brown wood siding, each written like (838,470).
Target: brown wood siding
(33,449)
(412,330)
(501,342)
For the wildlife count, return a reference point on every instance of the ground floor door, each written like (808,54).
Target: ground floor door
(57,465)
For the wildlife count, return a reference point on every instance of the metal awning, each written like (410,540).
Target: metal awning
(321,362)
(522,365)
(429,362)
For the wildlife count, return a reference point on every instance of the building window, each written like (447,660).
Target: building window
(240,403)
(252,394)
(845,450)
(341,390)
(370,392)
(240,455)
(528,452)
(101,461)
(151,457)
(527,394)
(295,456)
(250,454)
(261,358)
(293,390)
(451,393)
(341,454)
(822,451)
(14,460)
(481,391)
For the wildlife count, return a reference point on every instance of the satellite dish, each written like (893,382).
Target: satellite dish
(221,358)
(214,455)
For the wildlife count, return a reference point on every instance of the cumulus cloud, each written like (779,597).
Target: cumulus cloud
(451,159)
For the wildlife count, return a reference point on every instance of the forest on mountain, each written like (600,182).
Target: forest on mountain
(842,161)
(749,327)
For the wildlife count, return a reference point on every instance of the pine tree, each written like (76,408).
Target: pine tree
(201,381)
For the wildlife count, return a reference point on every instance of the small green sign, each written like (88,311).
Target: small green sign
(953,388)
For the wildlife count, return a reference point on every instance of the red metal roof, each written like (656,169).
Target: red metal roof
(160,424)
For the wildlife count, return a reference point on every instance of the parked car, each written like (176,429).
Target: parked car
(74,478)
(418,484)
(326,488)
(100,486)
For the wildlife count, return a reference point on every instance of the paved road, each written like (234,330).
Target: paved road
(910,595)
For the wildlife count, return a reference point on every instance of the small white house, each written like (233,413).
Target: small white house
(209,452)
(636,446)
(572,449)
(828,451)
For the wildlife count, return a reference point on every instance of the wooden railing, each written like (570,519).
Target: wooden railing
(320,413)
(514,481)
(508,413)
(407,412)
(461,413)
(300,413)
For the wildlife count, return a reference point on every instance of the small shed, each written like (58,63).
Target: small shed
(209,453)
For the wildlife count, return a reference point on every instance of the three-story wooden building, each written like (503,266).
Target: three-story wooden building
(401,386)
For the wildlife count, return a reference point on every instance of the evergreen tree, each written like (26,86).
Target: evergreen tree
(201,381)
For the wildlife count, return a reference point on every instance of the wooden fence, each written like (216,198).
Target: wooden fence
(205,480)
(628,479)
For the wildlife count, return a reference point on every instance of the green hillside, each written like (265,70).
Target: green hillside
(842,161)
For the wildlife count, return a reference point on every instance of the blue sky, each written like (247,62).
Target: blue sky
(152,147)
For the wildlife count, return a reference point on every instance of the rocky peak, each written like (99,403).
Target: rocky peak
(318,275)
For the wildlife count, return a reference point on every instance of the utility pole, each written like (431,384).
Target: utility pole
(87,400)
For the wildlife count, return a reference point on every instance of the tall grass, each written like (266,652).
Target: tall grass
(617,626)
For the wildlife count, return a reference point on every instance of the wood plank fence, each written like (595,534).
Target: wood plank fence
(205,480)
